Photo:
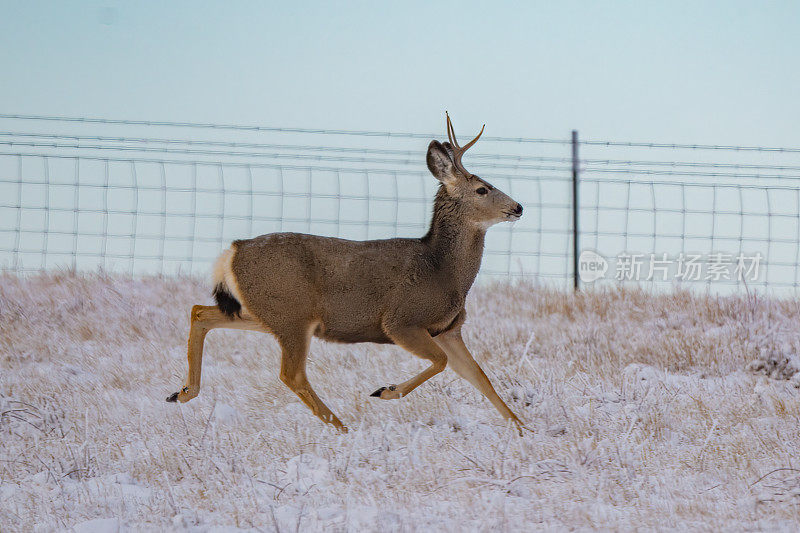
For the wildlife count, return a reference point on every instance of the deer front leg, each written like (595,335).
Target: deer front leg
(419,342)
(462,362)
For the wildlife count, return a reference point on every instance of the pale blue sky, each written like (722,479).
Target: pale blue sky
(709,72)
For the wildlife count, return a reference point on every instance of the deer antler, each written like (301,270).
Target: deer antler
(458,151)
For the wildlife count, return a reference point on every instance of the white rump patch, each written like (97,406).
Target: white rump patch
(223,273)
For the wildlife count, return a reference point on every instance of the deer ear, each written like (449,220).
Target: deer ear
(449,149)
(440,162)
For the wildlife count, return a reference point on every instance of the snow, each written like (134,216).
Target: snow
(645,412)
(98,525)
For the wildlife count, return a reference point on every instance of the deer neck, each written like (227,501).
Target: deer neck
(455,244)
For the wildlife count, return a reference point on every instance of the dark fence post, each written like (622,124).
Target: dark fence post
(575,209)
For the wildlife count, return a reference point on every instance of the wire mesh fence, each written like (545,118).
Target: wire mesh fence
(167,197)
(734,210)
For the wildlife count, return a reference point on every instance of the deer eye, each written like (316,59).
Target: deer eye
(481,190)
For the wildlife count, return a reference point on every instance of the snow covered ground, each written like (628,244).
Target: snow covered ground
(647,412)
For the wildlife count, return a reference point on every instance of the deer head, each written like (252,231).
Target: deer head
(478,201)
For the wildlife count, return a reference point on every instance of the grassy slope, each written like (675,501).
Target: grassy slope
(642,409)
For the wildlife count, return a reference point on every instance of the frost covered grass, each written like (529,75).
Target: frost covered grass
(647,412)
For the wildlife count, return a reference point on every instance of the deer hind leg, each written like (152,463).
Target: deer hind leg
(462,362)
(294,347)
(419,342)
(204,318)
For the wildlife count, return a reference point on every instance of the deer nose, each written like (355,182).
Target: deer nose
(518,210)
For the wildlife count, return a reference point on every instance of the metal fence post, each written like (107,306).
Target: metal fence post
(575,209)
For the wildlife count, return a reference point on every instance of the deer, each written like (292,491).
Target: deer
(410,292)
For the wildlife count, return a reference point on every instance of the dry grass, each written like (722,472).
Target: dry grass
(644,416)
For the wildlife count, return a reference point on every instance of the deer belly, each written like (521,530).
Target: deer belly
(341,331)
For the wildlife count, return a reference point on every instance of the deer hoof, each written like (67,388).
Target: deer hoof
(183,395)
(387,393)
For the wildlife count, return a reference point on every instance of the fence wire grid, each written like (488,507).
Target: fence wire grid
(147,197)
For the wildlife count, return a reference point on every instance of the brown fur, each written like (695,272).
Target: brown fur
(409,292)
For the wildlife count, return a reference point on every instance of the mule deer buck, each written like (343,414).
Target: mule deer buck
(408,292)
